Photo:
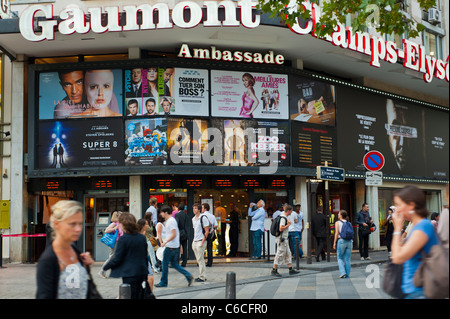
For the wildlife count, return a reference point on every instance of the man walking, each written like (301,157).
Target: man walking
(213,226)
(182,221)
(201,232)
(319,230)
(172,249)
(257,227)
(363,220)
(283,254)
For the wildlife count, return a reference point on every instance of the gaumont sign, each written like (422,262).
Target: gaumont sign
(39,23)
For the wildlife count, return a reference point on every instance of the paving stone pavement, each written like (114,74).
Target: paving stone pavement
(315,281)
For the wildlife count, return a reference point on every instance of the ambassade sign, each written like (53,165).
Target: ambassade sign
(39,23)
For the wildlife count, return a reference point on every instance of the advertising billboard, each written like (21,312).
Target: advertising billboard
(80,93)
(249,95)
(82,143)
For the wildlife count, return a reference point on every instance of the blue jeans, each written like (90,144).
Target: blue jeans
(171,256)
(257,243)
(293,241)
(344,254)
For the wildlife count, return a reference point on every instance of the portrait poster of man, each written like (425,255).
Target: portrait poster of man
(312,101)
(146,142)
(80,93)
(249,95)
(186,140)
(368,122)
(76,144)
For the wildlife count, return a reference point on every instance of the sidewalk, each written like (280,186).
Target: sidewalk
(18,281)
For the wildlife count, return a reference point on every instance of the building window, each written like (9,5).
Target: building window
(433,44)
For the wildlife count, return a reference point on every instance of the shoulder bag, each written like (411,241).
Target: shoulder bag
(392,281)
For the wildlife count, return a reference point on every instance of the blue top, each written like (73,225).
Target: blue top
(410,266)
(258,218)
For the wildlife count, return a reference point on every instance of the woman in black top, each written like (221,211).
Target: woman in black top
(389,229)
(130,259)
(62,272)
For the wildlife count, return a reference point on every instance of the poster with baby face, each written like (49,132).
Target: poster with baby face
(80,94)
(249,95)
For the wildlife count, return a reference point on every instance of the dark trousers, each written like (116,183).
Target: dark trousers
(363,245)
(209,250)
(184,255)
(389,242)
(320,247)
(135,285)
(234,240)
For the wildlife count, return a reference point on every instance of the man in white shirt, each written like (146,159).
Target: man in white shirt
(172,249)
(152,209)
(283,254)
(297,229)
(213,222)
(200,240)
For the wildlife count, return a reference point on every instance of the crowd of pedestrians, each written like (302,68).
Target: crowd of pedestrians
(160,239)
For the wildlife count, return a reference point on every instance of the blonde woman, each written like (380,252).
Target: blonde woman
(62,271)
(249,100)
(112,228)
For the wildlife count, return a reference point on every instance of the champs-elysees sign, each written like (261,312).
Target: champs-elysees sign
(73,20)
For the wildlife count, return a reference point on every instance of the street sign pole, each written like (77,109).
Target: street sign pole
(327,213)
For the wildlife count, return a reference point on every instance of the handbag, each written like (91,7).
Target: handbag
(109,239)
(392,281)
(92,288)
(433,273)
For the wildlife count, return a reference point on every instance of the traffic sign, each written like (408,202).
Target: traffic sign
(330,173)
(374,179)
(374,161)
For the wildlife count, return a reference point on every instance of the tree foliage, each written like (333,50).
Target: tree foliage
(386,16)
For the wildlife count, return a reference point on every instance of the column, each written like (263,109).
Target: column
(135,197)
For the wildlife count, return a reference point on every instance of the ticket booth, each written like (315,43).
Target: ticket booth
(101,251)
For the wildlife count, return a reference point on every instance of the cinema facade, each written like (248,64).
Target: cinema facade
(206,102)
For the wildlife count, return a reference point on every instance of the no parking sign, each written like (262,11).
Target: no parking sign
(374,161)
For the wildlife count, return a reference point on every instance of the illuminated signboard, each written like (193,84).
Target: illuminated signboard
(251,183)
(278,183)
(52,185)
(193,182)
(164,183)
(103,183)
(223,182)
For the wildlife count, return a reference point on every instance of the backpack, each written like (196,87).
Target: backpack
(432,274)
(275,227)
(346,231)
(212,231)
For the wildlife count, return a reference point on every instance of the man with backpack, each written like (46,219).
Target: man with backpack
(201,226)
(212,231)
(283,254)
(343,237)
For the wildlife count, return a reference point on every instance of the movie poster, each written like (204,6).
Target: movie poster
(436,144)
(369,122)
(166,91)
(249,95)
(80,94)
(187,139)
(272,143)
(79,144)
(313,145)
(312,101)
(146,142)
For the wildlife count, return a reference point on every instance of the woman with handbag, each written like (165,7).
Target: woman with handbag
(111,229)
(62,271)
(130,261)
(410,203)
